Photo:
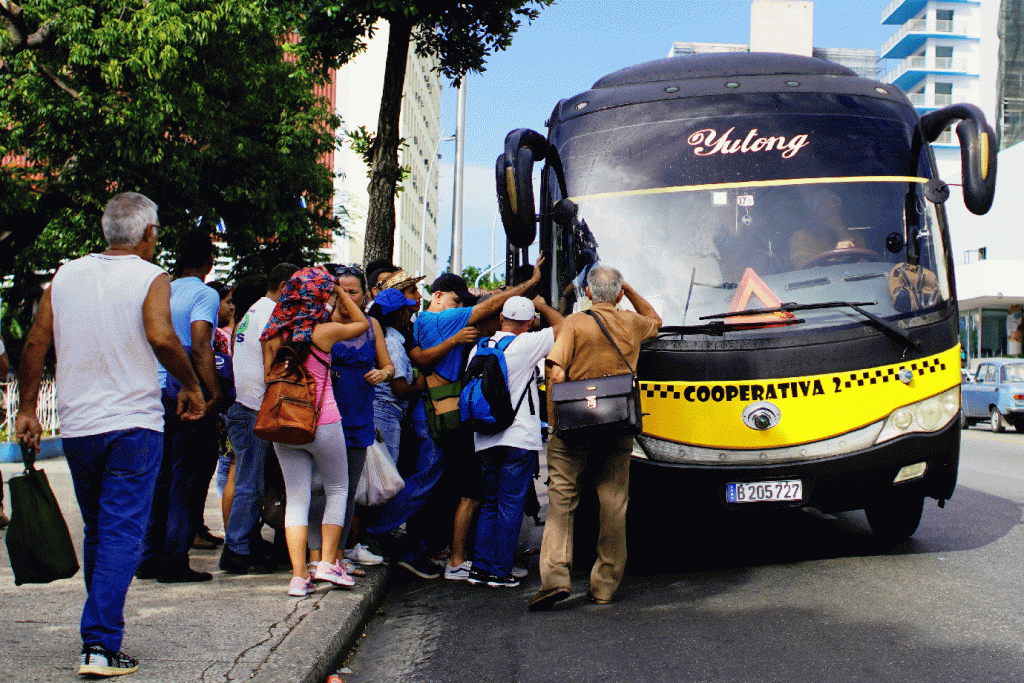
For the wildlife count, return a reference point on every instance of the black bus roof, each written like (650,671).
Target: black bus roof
(722,64)
(725,73)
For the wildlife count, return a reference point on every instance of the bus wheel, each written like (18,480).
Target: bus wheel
(995,421)
(895,518)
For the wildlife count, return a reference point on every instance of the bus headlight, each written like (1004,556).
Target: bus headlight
(928,415)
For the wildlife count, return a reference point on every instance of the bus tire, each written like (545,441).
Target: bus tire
(895,518)
(996,422)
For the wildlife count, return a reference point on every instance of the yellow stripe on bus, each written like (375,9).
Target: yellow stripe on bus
(813,407)
(752,183)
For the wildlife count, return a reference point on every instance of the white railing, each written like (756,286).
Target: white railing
(920,99)
(921,62)
(927,25)
(891,8)
(47,410)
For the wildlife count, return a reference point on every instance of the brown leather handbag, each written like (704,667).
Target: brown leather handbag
(290,409)
(598,409)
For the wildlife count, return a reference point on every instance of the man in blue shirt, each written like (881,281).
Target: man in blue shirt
(436,330)
(190,454)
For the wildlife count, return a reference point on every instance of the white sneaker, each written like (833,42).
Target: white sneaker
(519,572)
(360,554)
(459,573)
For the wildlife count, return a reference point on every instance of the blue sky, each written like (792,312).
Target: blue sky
(572,44)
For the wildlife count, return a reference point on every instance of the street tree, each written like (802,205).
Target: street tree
(460,35)
(205,106)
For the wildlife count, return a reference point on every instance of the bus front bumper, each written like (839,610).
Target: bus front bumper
(834,484)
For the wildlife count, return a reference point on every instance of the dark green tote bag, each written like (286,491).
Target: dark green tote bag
(38,541)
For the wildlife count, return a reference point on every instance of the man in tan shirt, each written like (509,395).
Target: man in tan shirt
(582,352)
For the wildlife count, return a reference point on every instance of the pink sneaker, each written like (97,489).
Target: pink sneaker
(333,573)
(299,587)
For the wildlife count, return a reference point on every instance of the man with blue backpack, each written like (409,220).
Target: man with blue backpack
(499,402)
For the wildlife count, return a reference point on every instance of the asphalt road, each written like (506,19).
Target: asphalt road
(787,596)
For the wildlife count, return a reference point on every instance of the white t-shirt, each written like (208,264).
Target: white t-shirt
(106,370)
(247,357)
(521,359)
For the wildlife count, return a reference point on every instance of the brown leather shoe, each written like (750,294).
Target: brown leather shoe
(545,598)
(594,600)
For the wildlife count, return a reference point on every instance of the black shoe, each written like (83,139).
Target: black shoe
(183,575)
(234,563)
(421,567)
(148,570)
(502,581)
(97,660)
(477,577)
(205,535)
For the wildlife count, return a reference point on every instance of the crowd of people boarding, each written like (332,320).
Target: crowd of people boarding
(160,383)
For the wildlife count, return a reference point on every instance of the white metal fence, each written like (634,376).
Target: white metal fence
(47,410)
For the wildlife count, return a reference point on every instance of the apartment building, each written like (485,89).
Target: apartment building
(359,87)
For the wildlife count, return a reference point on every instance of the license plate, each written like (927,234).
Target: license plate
(763,491)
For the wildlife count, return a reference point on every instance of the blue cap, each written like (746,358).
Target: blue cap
(390,300)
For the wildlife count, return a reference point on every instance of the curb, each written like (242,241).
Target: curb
(309,651)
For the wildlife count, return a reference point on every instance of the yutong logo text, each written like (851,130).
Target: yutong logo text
(707,142)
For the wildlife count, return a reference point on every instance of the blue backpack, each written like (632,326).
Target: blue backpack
(484,403)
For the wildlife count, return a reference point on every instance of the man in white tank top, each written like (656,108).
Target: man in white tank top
(108,316)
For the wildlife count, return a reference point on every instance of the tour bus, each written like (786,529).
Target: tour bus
(785,218)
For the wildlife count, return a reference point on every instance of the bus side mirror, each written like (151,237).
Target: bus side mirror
(977,151)
(514,180)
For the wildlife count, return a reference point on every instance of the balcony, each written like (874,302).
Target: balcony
(911,70)
(900,11)
(922,100)
(913,34)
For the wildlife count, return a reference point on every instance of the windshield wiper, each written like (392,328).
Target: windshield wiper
(718,327)
(889,328)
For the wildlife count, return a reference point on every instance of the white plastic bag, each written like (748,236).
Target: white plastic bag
(380,480)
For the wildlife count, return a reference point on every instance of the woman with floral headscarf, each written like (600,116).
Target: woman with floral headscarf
(301,325)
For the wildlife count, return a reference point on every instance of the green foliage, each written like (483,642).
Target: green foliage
(459,34)
(198,104)
(362,141)
(490,281)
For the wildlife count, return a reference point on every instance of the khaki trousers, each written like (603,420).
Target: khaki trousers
(565,467)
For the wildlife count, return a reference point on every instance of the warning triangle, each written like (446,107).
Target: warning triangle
(751,284)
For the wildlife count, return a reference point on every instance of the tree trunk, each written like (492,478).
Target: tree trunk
(384,168)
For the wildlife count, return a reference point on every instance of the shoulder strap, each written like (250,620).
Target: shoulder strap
(604,329)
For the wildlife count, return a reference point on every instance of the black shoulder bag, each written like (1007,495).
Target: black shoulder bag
(600,409)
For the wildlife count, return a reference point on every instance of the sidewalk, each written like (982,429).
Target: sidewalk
(231,628)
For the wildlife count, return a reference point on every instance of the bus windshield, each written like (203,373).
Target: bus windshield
(712,215)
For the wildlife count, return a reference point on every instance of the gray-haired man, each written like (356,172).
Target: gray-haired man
(108,316)
(582,352)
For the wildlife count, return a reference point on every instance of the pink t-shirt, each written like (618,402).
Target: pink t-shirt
(321,373)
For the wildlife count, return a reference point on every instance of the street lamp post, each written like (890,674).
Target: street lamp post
(426,195)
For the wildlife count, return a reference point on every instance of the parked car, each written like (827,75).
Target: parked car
(994,394)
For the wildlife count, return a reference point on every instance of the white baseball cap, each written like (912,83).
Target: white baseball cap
(518,308)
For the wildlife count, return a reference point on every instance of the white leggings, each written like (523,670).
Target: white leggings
(297,465)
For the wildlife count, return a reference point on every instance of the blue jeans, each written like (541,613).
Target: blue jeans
(114,475)
(419,488)
(387,418)
(250,458)
(189,458)
(507,474)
